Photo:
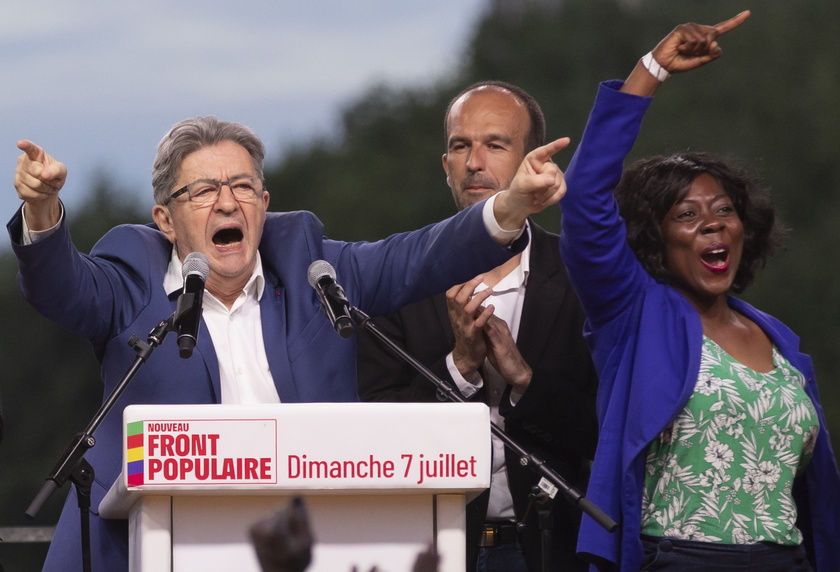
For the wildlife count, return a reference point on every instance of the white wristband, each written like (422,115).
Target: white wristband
(654,68)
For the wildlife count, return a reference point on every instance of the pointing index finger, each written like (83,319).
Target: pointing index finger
(544,153)
(732,23)
(33,151)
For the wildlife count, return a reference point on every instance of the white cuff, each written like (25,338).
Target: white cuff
(499,234)
(467,388)
(33,236)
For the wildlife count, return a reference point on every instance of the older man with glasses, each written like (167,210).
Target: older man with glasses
(262,337)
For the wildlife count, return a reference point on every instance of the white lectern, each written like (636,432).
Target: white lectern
(381,481)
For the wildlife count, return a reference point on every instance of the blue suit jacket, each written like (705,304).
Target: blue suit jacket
(117,291)
(646,343)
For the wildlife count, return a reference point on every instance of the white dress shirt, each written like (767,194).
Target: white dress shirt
(507,299)
(237,338)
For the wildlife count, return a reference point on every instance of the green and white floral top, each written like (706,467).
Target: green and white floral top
(723,470)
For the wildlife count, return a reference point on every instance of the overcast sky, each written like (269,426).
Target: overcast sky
(97,83)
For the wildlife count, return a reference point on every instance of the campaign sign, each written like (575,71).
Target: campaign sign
(201,451)
(305,446)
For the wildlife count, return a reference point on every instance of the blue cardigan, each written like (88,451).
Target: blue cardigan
(646,342)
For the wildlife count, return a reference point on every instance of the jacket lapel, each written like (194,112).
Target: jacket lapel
(543,297)
(273,317)
(207,354)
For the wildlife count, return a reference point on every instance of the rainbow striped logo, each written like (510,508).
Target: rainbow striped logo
(134,453)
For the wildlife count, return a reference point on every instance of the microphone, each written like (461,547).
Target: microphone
(321,276)
(195,271)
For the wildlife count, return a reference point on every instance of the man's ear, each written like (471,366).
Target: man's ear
(163,218)
(445,161)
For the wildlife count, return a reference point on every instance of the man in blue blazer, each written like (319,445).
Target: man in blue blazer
(262,336)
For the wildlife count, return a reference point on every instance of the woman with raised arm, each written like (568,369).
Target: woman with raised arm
(713,452)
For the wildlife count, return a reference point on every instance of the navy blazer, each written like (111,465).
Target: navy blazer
(117,291)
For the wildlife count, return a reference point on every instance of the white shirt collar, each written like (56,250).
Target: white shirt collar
(173,280)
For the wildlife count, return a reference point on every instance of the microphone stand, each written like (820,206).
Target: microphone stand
(526,459)
(72,465)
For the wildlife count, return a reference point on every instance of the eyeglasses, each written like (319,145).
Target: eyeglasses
(205,192)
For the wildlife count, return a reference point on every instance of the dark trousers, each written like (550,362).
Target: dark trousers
(503,558)
(692,556)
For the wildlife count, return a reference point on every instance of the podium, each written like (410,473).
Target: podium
(381,481)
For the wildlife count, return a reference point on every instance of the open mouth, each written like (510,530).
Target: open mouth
(227,237)
(716,258)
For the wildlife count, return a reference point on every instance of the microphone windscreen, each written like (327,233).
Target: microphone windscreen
(318,270)
(196,263)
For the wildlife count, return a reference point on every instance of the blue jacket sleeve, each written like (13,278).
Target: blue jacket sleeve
(603,269)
